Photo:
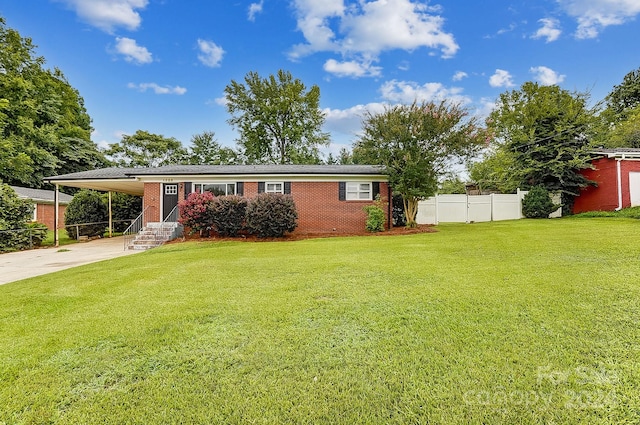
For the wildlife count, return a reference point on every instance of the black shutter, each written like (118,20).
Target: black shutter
(260,187)
(342,191)
(287,188)
(375,186)
(187,189)
(240,188)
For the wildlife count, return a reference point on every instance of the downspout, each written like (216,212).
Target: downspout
(619,181)
(56,240)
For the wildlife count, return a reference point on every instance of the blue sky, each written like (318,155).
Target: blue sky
(162,65)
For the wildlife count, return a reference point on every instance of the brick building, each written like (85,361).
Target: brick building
(44,204)
(617,175)
(329,198)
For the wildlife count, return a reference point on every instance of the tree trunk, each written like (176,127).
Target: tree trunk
(410,210)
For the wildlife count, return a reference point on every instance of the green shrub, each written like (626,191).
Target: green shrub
(228,214)
(89,209)
(537,203)
(37,233)
(195,212)
(15,213)
(124,209)
(375,216)
(271,215)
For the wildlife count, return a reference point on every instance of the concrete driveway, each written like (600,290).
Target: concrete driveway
(24,264)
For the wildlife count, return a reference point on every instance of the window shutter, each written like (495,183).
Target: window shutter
(240,188)
(287,188)
(342,191)
(187,189)
(260,187)
(375,187)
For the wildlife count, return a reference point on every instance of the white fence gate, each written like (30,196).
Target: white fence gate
(473,208)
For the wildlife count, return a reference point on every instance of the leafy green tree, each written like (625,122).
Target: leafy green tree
(547,130)
(279,120)
(625,133)
(44,126)
(625,96)
(537,203)
(452,184)
(496,171)
(144,149)
(205,150)
(416,144)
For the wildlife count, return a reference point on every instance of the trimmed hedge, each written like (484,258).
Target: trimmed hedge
(228,214)
(271,215)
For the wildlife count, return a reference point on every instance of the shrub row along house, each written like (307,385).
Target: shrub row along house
(328,198)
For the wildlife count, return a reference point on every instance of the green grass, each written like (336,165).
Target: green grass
(63,238)
(633,212)
(522,322)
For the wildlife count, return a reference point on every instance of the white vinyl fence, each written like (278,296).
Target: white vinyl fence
(473,208)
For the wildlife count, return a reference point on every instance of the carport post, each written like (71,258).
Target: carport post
(110,217)
(56,241)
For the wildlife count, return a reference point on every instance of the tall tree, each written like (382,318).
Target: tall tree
(205,149)
(44,126)
(625,96)
(279,120)
(547,130)
(416,144)
(144,149)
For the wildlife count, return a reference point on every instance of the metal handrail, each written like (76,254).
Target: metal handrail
(134,228)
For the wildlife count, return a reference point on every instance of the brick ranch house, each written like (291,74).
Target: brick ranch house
(617,174)
(44,203)
(329,198)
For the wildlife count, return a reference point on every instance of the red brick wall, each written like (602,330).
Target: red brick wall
(605,196)
(45,215)
(152,199)
(319,209)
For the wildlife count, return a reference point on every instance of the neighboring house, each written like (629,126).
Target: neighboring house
(45,204)
(617,175)
(329,198)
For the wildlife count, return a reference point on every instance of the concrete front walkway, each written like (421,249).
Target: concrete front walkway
(24,264)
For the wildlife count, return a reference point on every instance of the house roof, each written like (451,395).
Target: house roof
(623,153)
(41,196)
(131,180)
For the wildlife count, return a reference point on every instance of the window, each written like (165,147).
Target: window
(218,189)
(274,187)
(171,189)
(357,191)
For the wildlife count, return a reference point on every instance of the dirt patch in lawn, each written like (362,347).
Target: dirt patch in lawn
(296,236)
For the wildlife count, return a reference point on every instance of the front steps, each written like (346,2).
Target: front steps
(155,234)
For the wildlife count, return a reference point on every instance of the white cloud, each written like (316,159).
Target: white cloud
(108,14)
(594,16)
(210,53)
(347,123)
(222,101)
(254,9)
(157,89)
(550,30)
(132,52)
(460,75)
(351,68)
(501,78)
(366,29)
(546,76)
(409,91)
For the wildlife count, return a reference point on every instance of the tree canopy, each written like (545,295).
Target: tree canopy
(205,149)
(547,130)
(625,96)
(144,149)
(278,119)
(416,144)
(44,126)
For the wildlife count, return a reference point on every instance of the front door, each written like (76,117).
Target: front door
(169,198)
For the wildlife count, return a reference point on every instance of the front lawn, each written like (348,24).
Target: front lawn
(528,322)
